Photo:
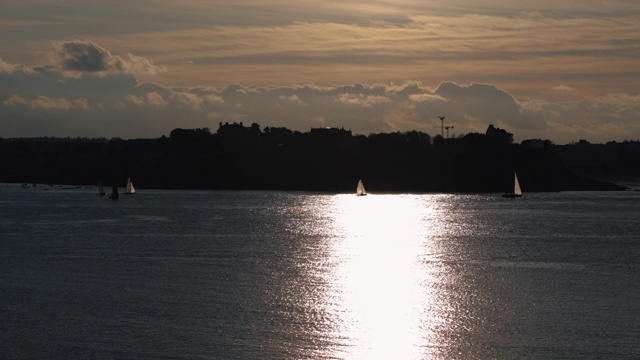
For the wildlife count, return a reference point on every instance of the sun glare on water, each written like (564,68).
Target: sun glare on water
(380,287)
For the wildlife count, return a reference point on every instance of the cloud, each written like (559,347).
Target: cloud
(46,100)
(362,100)
(5,67)
(49,103)
(488,103)
(86,56)
(81,103)
(139,65)
(155,99)
(396,41)
(189,99)
(426,97)
(563,88)
(15,99)
(152,99)
(604,118)
(291,98)
(336,42)
(137,100)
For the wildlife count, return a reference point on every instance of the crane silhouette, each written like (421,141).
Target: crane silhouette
(447,128)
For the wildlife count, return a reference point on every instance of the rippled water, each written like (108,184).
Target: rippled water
(255,275)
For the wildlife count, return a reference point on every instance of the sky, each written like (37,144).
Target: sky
(556,70)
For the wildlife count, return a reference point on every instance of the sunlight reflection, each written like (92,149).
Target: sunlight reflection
(381,286)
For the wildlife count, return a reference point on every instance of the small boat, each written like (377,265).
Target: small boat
(100,189)
(517,191)
(360,191)
(114,193)
(129,190)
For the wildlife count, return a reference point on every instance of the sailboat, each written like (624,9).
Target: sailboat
(100,189)
(360,191)
(129,189)
(517,191)
(114,193)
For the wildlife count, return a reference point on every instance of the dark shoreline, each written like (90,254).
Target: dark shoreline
(324,160)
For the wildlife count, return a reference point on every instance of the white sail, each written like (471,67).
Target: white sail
(130,189)
(516,186)
(517,191)
(360,189)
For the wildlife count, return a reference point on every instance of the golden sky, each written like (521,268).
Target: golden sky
(562,71)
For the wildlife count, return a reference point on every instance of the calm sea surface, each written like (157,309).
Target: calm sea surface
(277,275)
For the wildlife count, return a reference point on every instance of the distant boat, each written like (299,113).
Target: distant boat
(517,191)
(114,193)
(360,191)
(129,190)
(100,189)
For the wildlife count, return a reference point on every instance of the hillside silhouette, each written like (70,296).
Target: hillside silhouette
(323,159)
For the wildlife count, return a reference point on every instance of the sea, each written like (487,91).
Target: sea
(177,274)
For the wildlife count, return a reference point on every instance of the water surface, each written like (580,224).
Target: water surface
(253,275)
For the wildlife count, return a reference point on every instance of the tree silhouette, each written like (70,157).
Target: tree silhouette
(323,159)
